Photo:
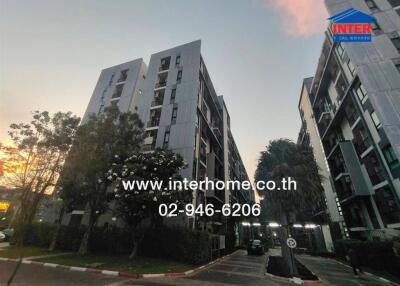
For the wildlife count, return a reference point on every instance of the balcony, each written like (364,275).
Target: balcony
(157,102)
(153,123)
(164,66)
(161,84)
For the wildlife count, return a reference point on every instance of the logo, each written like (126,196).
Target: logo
(351,25)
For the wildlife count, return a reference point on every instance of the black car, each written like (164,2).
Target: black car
(255,247)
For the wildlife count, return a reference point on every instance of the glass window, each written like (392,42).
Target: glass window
(166,139)
(396,42)
(123,75)
(390,157)
(361,93)
(178,60)
(173,95)
(376,121)
(118,91)
(371,5)
(394,3)
(179,77)
(174,115)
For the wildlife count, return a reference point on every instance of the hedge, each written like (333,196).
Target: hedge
(377,255)
(180,244)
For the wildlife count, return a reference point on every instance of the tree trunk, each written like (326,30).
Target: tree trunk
(83,247)
(53,243)
(136,242)
(287,253)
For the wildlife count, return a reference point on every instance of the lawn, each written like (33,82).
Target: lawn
(139,265)
(13,251)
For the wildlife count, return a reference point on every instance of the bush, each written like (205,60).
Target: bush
(180,244)
(377,255)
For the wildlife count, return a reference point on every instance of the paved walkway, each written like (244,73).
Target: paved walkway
(332,272)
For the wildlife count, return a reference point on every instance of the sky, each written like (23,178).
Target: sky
(257,53)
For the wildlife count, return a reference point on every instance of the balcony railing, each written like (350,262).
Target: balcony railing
(164,67)
(161,84)
(157,102)
(153,122)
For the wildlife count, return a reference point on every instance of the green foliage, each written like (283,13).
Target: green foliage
(41,147)
(97,142)
(101,138)
(180,244)
(134,205)
(283,159)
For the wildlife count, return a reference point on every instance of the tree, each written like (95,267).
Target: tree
(133,205)
(83,183)
(284,159)
(34,163)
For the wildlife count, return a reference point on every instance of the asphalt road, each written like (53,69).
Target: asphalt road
(237,269)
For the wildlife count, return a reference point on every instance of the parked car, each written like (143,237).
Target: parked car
(255,247)
(7,233)
(2,237)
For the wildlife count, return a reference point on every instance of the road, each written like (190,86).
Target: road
(236,269)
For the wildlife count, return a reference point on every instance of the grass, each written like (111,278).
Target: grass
(139,265)
(13,251)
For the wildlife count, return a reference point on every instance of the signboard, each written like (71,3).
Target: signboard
(291,242)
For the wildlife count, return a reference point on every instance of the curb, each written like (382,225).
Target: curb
(294,280)
(116,273)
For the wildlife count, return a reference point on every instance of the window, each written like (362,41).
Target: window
(376,121)
(165,64)
(376,28)
(166,139)
(340,49)
(390,157)
(123,75)
(394,3)
(118,91)
(174,115)
(361,93)
(371,5)
(178,60)
(179,76)
(397,66)
(351,67)
(173,95)
(396,42)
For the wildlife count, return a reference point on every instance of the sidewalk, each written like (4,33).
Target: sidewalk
(333,272)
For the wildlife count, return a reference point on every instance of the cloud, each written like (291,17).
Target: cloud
(301,18)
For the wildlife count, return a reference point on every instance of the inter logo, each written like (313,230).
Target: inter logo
(351,25)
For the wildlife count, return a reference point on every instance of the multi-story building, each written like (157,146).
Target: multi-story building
(120,85)
(309,135)
(176,100)
(182,112)
(355,99)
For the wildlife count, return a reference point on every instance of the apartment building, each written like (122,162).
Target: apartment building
(309,136)
(120,85)
(355,99)
(183,113)
(176,100)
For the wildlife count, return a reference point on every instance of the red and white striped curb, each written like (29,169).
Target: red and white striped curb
(115,273)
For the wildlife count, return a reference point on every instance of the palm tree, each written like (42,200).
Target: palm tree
(284,159)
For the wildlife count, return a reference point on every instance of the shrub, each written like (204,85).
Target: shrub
(39,234)
(180,244)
